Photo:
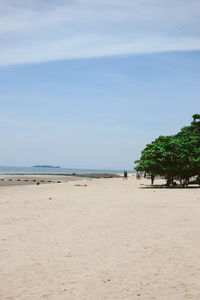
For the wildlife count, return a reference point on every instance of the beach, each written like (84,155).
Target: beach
(99,239)
(32,179)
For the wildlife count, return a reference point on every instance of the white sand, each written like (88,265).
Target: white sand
(109,240)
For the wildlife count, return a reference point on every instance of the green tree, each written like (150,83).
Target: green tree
(189,138)
(170,156)
(196,117)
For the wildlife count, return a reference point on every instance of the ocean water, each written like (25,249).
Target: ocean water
(46,170)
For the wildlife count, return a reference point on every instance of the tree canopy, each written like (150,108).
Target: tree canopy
(174,155)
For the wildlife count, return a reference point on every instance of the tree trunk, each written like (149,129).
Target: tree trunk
(169,180)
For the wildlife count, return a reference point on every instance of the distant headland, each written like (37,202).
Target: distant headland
(46,166)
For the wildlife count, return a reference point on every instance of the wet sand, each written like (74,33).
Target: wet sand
(105,239)
(26,179)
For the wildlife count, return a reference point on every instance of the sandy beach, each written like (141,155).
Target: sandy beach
(33,179)
(105,239)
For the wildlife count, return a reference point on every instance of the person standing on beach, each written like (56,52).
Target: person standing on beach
(125,175)
(137,176)
(152,178)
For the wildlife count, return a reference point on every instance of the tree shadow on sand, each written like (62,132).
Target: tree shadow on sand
(163,186)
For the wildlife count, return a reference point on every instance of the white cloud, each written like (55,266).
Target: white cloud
(37,31)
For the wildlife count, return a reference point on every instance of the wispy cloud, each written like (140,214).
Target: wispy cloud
(37,31)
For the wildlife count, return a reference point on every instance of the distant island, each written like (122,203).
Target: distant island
(46,166)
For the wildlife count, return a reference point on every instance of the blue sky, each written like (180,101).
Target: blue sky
(91,87)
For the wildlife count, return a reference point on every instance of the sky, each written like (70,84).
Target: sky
(87,84)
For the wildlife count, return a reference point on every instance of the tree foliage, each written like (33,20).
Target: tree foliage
(175,155)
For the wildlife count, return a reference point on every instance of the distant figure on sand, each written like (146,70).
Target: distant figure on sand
(137,176)
(125,175)
(152,178)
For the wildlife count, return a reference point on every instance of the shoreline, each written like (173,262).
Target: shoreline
(31,179)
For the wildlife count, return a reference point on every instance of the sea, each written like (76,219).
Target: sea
(60,171)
